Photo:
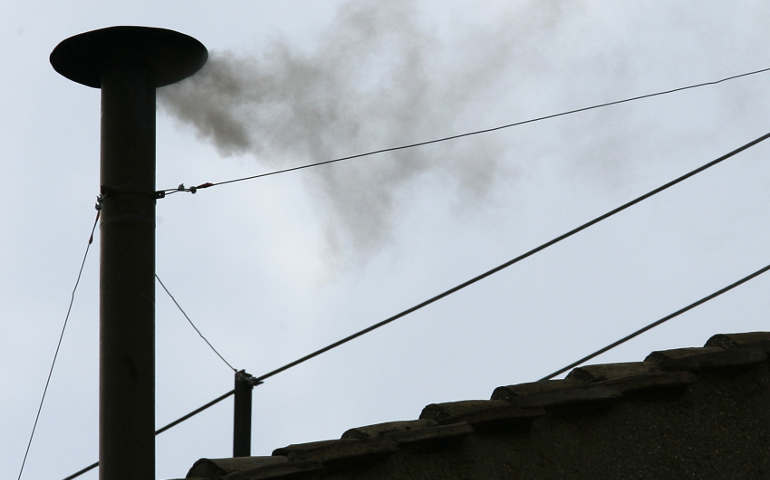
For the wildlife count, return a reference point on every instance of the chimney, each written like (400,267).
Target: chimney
(127,64)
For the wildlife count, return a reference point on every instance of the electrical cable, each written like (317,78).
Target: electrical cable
(514,260)
(61,337)
(162,429)
(657,322)
(547,377)
(182,188)
(496,269)
(192,324)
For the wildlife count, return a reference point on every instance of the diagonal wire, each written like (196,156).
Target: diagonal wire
(58,345)
(192,324)
(488,273)
(162,429)
(658,322)
(182,188)
(562,370)
(515,260)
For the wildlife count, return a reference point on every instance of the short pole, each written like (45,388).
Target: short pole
(244,384)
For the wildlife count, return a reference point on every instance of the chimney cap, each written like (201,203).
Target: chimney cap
(170,56)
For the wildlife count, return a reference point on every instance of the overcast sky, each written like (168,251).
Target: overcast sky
(274,268)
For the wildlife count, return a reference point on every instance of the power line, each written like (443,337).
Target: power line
(547,377)
(162,429)
(61,337)
(521,257)
(496,269)
(192,324)
(190,414)
(82,471)
(182,188)
(658,322)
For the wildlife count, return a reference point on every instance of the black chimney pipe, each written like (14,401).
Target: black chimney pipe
(128,64)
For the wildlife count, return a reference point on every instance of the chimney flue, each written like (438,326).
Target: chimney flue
(128,64)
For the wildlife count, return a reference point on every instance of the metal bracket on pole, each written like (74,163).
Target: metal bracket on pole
(244,384)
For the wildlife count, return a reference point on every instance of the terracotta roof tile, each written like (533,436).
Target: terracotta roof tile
(632,376)
(217,467)
(337,451)
(610,371)
(554,393)
(705,357)
(760,340)
(432,435)
(379,429)
(479,412)
(284,471)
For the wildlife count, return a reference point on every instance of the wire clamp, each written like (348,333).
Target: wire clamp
(248,378)
(182,188)
(99,202)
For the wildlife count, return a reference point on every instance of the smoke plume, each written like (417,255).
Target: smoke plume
(376,79)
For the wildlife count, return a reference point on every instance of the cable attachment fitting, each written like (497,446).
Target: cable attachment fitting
(242,376)
(99,202)
(182,188)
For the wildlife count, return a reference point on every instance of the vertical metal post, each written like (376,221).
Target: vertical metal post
(127,284)
(127,63)
(244,384)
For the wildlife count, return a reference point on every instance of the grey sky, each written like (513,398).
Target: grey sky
(274,268)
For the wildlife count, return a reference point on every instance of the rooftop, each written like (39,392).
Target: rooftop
(682,413)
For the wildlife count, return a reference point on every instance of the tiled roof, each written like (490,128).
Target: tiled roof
(682,413)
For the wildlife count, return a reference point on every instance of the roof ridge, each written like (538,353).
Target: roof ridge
(511,407)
